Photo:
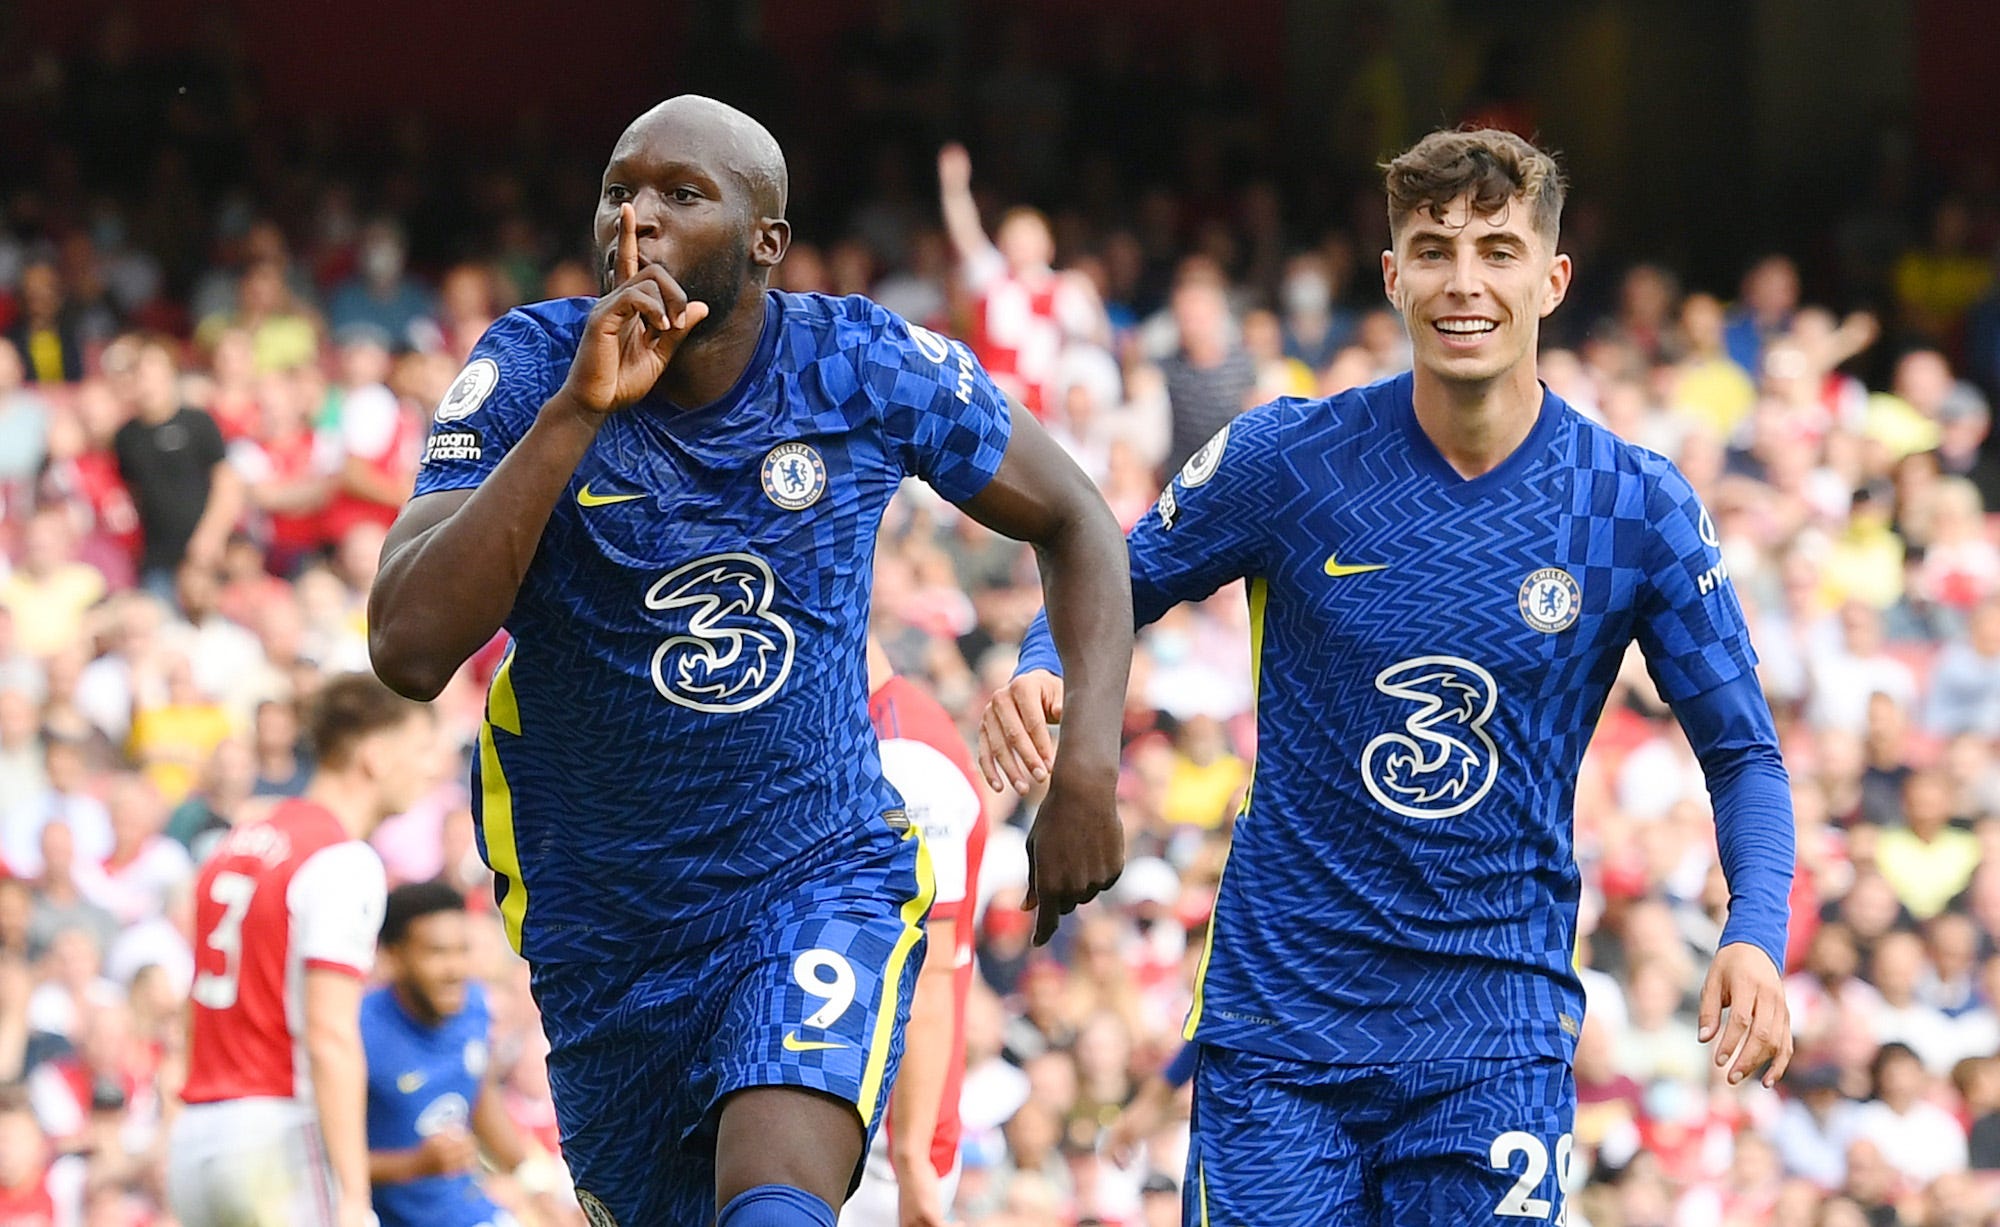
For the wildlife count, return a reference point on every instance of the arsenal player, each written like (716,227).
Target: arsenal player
(286,914)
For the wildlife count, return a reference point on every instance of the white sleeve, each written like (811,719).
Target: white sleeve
(66,1185)
(940,802)
(251,462)
(368,422)
(336,900)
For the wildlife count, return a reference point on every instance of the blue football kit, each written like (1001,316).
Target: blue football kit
(677,784)
(1387,1006)
(423,1080)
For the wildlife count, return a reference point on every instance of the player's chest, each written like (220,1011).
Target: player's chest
(652,499)
(1514,581)
(433,1084)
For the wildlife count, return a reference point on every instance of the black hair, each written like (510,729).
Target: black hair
(412,902)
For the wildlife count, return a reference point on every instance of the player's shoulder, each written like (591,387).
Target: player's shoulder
(553,320)
(1595,447)
(863,329)
(377,1008)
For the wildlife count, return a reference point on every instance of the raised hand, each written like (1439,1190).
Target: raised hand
(632,332)
(954,168)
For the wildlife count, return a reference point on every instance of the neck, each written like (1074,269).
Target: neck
(415,1007)
(1478,425)
(706,368)
(347,799)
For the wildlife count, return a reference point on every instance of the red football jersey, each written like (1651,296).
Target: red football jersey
(277,897)
(926,760)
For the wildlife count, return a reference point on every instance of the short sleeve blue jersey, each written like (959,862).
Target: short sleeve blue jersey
(681,724)
(422,1080)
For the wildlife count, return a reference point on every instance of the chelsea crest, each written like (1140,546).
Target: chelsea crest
(1550,600)
(794,476)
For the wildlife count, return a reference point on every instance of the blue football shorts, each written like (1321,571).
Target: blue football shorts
(1285,1143)
(814,995)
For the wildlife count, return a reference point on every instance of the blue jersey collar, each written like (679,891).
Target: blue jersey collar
(760,360)
(1430,461)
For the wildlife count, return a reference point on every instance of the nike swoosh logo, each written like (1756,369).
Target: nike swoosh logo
(1337,568)
(410,1083)
(794,1044)
(584,498)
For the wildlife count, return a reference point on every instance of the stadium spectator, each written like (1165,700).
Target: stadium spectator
(46,335)
(1027,313)
(171,457)
(382,294)
(1211,377)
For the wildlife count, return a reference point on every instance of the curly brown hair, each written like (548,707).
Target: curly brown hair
(1491,165)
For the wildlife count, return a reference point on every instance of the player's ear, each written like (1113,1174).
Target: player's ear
(1560,270)
(1389,278)
(769,240)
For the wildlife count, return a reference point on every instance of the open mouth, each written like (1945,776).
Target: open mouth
(1464,328)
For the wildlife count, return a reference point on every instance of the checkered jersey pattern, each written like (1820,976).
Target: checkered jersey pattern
(1432,654)
(682,725)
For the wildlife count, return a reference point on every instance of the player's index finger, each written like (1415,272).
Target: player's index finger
(628,243)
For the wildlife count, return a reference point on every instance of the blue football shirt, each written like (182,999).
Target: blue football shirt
(1431,655)
(422,1080)
(681,725)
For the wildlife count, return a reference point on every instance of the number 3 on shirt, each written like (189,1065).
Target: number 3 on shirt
(1518,1203)
(233,892)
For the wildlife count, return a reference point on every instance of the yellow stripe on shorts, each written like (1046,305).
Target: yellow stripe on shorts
(914,911)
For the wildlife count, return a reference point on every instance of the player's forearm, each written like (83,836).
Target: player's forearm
(496,1132)
(1731,733)
(223,509)
(927,1057)
(340,1091)
(1086,581)
(961,222)
(395,1166)
(443,591)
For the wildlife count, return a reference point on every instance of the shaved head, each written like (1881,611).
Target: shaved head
(722,135)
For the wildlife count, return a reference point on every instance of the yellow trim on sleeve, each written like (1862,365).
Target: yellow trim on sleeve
(1260,595)
(914,910)
(503,855)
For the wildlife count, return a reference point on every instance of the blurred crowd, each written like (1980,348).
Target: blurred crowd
(211,409)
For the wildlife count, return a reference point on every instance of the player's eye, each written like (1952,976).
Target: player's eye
(1501,255)
(686,195)
(1431,253)
(617,193)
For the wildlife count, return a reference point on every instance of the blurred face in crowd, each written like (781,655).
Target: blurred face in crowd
(1900,1080)
(41,292)
(1923,378)
(1897,966)
(1025,242)
(1955,944)
(1201,313)
(1771,288)
(1701,324)
(1473,288)
(155,387)
(1832,956)
(1926,803)
(135,813)
(431,965)
(47,546)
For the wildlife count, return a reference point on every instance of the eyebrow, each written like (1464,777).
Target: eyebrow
(1498,238)
(637,163)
